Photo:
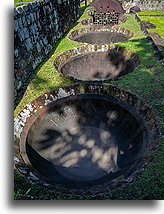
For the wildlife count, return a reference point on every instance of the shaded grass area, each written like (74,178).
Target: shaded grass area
(146,82)
(157,21)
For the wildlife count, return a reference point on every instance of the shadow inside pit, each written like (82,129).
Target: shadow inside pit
(99,66)
(85,141)
(101,37)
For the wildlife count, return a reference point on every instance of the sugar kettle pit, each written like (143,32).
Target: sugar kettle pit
(96,63)
(101,35)
(83,137)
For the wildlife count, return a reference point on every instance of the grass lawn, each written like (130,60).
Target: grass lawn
(19,1)
(22,2)
(153,12)
(158,21)
(146,81)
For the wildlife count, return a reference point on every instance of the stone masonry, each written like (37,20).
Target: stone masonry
(37,28)
(143,4)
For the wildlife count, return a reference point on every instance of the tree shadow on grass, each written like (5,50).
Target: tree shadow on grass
(147,80)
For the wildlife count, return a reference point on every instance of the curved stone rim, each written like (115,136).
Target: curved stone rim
(112,29)
(149,117)
(65,57)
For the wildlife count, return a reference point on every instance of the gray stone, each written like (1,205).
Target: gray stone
(15,13)
(162,101)
(24,8)
(41,43)
(59,1)
(34,65)
(143,4)
(39,26)
(28,44)
(26,33)
(38,47)
(28,19)
(24,21)
(46,50)
(37,14)
(28,7)
(33,5)
(20,9)
(20,34)
(34,14)
(32,17)
(20,22)
(19,85)
(45,41)
(16,53)
(16,26)
(22,63)
(46,1)
(35,27)
(32,29)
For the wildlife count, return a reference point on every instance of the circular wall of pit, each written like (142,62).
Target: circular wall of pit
(83,139)
(96,63)
(101,35)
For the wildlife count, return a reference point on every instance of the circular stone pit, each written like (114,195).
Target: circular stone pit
(101,35)
(95,63)
(83,139)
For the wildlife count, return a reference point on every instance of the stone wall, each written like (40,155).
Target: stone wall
(37,27)
(143,4)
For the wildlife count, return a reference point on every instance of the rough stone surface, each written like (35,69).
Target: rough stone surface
(148,25)
(143,4)
(37,27)
(135,9)
(162,101)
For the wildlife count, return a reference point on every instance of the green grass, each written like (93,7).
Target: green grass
(22,2)
(146,82)
(153,12)
(158,21)
(19,1)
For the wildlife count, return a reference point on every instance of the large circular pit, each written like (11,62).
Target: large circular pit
(83,64)
(101,35)
(81,138)
(84,140)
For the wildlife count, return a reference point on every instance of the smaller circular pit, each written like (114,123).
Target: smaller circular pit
(101,35)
